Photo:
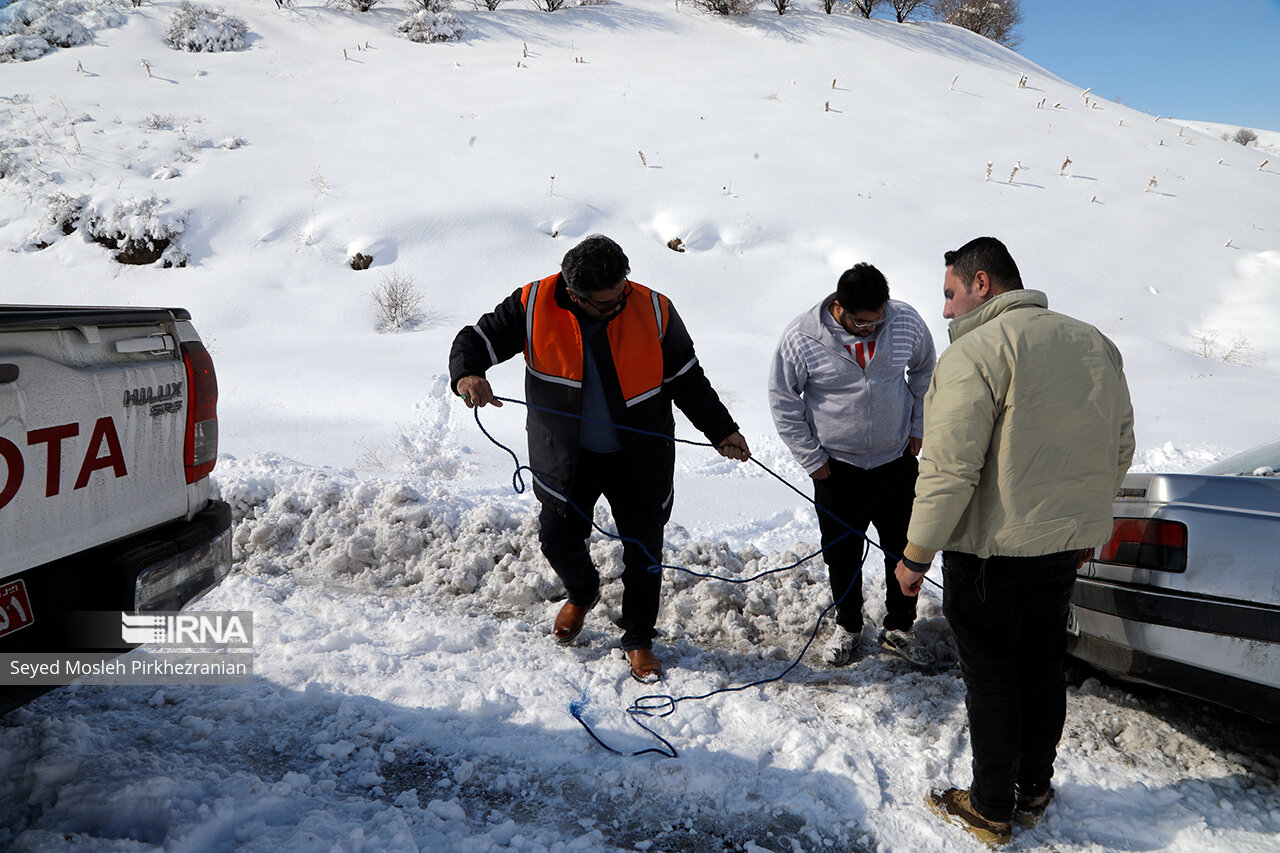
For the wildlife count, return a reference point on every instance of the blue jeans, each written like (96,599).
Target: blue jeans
(1009,618)
(564,531)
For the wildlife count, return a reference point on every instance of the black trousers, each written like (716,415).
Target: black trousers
(1009,617)
(857,497)
(640,524)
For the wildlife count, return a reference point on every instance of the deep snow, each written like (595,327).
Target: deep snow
(407,696)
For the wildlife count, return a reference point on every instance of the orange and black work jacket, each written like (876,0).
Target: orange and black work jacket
(646,362)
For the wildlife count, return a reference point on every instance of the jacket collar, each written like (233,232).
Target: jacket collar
(994,307)
(815,322)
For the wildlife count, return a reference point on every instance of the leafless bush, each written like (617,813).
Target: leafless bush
(1245,136)
(398,301)
(1239,351)
(550,5)
(725,7)
(352,5)
(491,5)
(993,19)
(781,6)
(862,7)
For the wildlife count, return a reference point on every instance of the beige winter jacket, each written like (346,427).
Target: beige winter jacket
(1028,435)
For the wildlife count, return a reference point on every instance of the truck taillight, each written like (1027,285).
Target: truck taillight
(1147,543)
(200,451)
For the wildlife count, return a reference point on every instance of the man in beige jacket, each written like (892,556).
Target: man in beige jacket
(1028,435)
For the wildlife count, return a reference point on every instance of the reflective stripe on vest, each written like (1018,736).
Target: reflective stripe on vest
(553,341)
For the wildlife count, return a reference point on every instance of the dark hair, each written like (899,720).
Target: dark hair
(863,288)
(595,264)
(989,255)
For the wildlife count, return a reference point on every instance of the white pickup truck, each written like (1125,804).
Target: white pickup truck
(108,432)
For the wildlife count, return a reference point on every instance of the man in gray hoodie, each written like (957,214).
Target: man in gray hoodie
(847,390)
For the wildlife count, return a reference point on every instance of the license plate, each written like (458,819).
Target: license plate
(15,607)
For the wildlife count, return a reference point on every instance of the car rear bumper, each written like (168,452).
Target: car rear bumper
(1223,652)
(165,568)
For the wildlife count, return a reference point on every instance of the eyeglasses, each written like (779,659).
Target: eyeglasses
(607,305)
(847,320)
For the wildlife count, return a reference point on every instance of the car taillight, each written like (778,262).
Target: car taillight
(201,447)
(1147,543)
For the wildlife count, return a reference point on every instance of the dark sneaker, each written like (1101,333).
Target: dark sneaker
(954,807)
(1029,810)
(905,645)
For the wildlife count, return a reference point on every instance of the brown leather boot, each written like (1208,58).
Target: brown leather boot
(645,667)
(569,621)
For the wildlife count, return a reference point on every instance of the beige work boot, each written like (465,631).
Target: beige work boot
(954,807)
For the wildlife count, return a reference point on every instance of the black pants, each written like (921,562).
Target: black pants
(858,497)
(1009,617)
(564,543)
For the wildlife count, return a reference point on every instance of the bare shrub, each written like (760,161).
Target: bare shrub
(725,7)
(993,19)
(862,7)
(1245,136)
(351,5)
(1239,351)
(781,6)
(398,302)
(550,5)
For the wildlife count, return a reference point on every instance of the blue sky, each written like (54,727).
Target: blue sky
(1205,60)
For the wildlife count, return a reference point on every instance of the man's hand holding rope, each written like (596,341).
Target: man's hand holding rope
(734,446)
(475,391)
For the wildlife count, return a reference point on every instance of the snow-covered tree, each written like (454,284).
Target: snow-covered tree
(427,21)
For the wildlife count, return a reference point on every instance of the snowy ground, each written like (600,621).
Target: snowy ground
(407,696)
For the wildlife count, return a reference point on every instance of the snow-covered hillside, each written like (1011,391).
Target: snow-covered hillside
(407,696)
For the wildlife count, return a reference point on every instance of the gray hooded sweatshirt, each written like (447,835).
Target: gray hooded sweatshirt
(827,406)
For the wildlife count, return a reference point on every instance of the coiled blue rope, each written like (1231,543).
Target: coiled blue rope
(662,705)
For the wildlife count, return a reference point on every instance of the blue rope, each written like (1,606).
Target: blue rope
(663,705)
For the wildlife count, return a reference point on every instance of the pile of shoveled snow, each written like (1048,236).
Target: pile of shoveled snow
(380,535)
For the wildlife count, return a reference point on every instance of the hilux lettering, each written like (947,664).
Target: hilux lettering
(103,451)
(148,395)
